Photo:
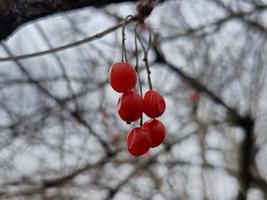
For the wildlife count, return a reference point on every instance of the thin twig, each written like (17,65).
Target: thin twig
(137,69)
(146,59)
(68,46)
(123,49)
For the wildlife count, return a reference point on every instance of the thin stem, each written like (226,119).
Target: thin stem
(145,59)
(123,49)
(137,69)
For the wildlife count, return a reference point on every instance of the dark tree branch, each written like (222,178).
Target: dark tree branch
(246,157)
(14,13)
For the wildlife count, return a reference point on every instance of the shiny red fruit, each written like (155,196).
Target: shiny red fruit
(138,141)
(154,104)
(130,106)
(122,77)
(156,131)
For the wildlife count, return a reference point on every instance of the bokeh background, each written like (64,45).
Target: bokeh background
(61,137)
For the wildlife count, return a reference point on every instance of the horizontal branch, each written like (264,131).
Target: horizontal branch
(68,46)
(14,13)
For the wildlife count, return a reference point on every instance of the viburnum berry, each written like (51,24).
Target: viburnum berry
(130,106)
(138,141)
(156,131)
(122,77)
(154,104)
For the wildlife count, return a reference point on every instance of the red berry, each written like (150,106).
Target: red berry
(122,77)
(138,141)
(154,104)
(130,106)
(156,131)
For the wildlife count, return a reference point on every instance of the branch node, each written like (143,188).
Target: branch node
(144,9)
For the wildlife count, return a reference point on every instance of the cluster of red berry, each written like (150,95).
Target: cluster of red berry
(131,106)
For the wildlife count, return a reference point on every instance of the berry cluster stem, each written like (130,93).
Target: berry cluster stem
(124,51)
(145,59)
(137,69)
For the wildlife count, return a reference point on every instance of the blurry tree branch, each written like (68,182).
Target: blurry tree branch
(58,181)
(247,156)
(73,113)
(62,180)
(14,13)
(217,24)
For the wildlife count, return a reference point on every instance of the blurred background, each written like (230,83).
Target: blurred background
(61,137)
